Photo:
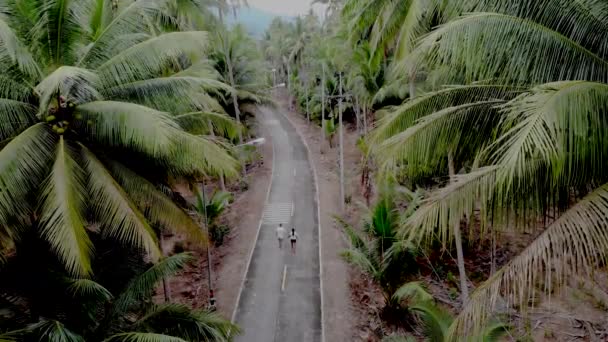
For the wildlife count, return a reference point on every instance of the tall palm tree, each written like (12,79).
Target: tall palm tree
(91,100)
(527,125)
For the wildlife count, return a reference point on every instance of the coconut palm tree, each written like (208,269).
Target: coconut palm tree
(248,69)
(526,128)
(377,251)
(92,101)
(66,309)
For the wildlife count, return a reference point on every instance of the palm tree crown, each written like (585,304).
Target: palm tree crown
(90,103)
(525,123)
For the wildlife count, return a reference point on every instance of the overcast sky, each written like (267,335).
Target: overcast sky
(284,7)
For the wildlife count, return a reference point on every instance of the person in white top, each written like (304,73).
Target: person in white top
(293,237)
(280,234)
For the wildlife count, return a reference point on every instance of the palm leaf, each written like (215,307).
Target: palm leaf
(436,320)
(174,94)
(191,325)
(572,245)
(404,116)
(130,125)
(62,212)
(119,216)
(148,58)
(14,116)
(413,291)
(144,284)
(423,145)
(561,124)
(24,162)
(51,331)
(196,155)
(142,337)
(519,51)
(87,288)
(155,205)
(111,38)
(445,207)
(15,51)
(204,122)
(80,84)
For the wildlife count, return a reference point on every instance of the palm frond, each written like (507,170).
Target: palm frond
(354,238)
(191,325)
(422,145)
(561,124)
(436,320)
(197,155)
(583,21)
(509,48)
(144,284)
(572,245)
(120,217)
(205,122)
(14,116)
(155,205)
(148,58)
(62,212)
(444,208)
(79,84)
(361,260)
(173,94)
(51,331)
(404,116)
(413,292)
(130,125)
(24,163)
(87,288)
(127,26)
(142,337)
(13,49)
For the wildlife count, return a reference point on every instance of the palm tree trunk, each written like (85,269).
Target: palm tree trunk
(289,86)
(166,286)
(464,289)
(212,133)
(365,119)
(307,111)
(323,109)
(235,101)
(357,115)
(341,148)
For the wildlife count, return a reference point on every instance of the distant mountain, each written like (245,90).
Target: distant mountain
(255,20)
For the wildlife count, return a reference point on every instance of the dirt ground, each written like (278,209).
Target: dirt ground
(344,317)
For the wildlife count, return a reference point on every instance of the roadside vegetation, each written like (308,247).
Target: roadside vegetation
(492,111)
(106,107)
(481,133)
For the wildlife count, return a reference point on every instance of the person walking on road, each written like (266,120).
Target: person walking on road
(293,237)
(280,235)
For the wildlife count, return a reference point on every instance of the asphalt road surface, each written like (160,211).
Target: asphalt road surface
(280,300)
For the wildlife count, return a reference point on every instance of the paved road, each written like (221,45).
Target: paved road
(281,299)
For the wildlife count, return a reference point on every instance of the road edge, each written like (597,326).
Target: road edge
(257,234)
(311,161)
